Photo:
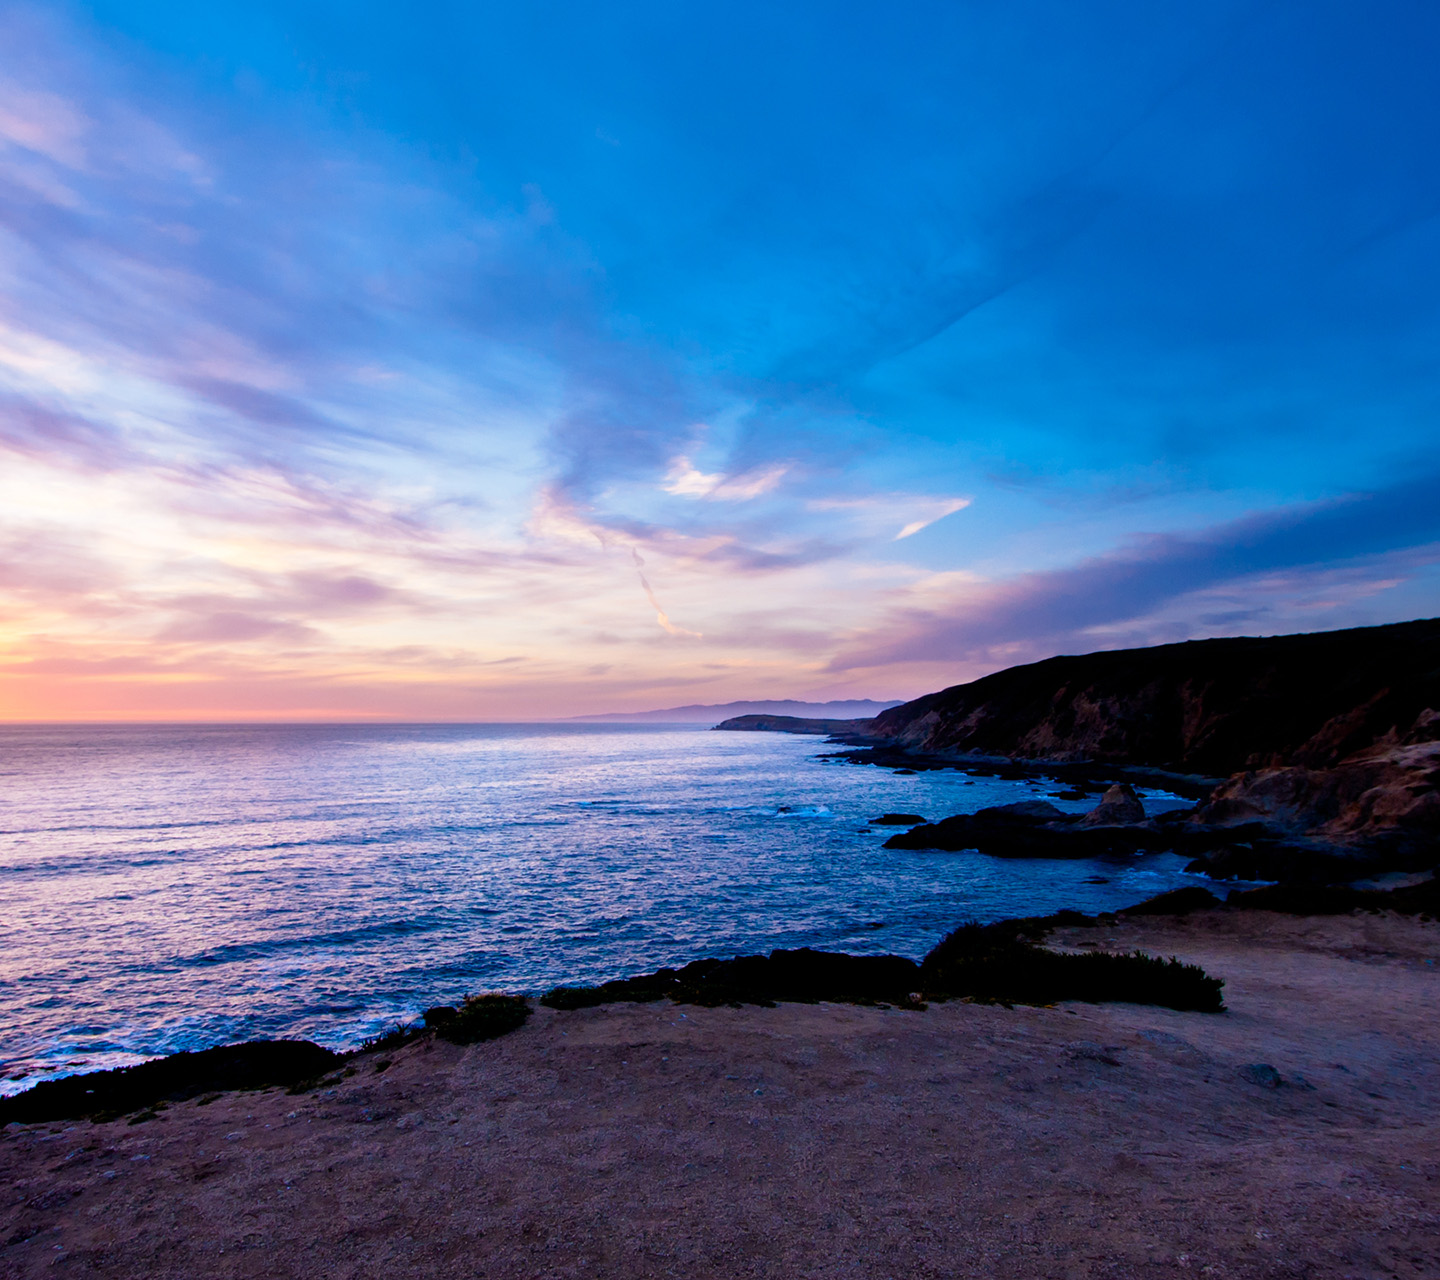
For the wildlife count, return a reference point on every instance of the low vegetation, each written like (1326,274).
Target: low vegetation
(1003,963)
(802,975)
(1421,900)
(1000,963)
(479,1018)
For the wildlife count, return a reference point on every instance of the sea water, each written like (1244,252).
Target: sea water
(176,887)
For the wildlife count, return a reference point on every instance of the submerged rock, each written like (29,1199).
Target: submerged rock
(897,820)
(1028,829)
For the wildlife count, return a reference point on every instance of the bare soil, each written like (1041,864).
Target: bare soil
(816,1141)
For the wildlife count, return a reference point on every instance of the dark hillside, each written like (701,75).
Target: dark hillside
(1211,707)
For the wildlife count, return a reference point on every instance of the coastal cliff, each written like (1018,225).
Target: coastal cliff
(1330,738)
(1212,707)
(1310,750)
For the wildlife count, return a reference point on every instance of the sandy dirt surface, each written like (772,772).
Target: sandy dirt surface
(816,1141)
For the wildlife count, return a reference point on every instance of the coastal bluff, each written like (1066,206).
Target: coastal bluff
(1211,707)
(809,1141)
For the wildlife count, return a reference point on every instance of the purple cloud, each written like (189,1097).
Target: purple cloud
(1048,611)
(232,626)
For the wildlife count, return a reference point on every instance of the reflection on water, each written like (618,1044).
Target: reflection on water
(176,887)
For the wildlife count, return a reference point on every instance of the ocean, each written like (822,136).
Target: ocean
(175,887)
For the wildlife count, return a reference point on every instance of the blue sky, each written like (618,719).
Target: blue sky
(485,361)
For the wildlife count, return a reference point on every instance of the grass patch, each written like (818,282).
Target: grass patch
(401,1034)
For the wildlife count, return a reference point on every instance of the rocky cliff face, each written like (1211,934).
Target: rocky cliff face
(1210,707)
(1388,791)
(1332,738)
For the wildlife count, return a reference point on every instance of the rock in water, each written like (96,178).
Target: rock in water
(1034,810)
(1119,806)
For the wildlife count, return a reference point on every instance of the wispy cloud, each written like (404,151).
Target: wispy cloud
(309,399)
(686,480)
(925,521)
(660,615)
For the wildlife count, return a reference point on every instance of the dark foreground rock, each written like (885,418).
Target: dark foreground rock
(256,1064)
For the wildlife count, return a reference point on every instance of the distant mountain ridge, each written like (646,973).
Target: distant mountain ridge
(851,709)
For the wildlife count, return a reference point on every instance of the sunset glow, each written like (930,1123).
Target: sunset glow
(557,360)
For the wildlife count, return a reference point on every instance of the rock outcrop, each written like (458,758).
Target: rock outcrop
(1385,794)
(1119,805)
(1331,744)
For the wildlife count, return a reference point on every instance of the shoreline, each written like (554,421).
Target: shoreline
(815,1140)
(189,987)
(845,978)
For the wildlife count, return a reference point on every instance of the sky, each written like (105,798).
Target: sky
(498,361)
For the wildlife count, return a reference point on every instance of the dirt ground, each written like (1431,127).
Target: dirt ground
(816,1141)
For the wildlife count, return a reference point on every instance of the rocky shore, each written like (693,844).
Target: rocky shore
(1313,757)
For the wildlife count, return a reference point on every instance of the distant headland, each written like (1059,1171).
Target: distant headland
(853,709)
